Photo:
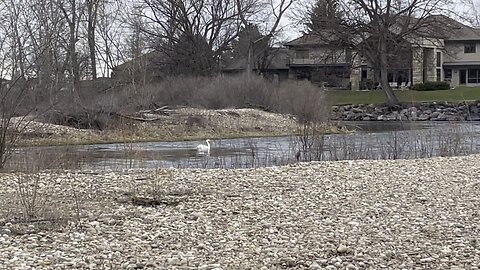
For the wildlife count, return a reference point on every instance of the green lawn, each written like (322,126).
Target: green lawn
(339,97)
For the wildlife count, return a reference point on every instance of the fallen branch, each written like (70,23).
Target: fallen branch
(163,109)
(141,119)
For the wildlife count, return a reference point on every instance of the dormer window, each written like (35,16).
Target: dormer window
(470,48)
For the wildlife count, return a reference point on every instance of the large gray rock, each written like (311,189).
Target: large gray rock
(473,117)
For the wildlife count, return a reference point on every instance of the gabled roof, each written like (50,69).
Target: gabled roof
(306,39)
(464,34)
(434,26)
(277,59)
(443,27)
(313,39)
(151,59)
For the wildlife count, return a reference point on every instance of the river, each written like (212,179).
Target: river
(371,140)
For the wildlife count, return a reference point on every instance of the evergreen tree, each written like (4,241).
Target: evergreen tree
(192,55)
(323,15)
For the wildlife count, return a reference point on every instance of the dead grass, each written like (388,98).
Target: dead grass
(102,108)
(205,107)
(180,124)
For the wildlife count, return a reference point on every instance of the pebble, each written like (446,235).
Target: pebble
(351,267)
(314,266)
(342,248)
(363,214)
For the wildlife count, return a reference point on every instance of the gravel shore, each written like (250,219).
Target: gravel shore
(174,124)
(403,214)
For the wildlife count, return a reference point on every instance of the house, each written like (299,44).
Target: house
(145,68)
(452,56)
(274,64)
(460,63)
(151,67)
(319,61)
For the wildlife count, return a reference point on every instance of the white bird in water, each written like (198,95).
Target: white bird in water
(204,147)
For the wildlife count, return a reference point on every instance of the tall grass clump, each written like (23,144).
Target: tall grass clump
(309,104)
(100,106)
(301,99)
(236,91)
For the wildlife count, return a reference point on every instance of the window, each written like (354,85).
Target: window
(447,76)
(364,73)
(302,54)
(470,48)
(439,59)
(473,75)
(439,74)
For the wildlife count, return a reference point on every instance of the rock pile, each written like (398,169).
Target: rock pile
(435,111)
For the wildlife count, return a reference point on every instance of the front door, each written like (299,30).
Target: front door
(463,76)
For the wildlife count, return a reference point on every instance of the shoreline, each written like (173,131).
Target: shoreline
(424,111)
(196,124)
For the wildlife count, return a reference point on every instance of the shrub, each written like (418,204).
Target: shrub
(367,84)
(99,108)
(302,99)
(431,86)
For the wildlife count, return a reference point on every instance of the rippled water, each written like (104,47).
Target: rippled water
(372,140)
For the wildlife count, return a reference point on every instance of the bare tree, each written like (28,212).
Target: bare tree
(170,22)
(92,15)
(72,11)
(111,35)
(274,12)
(471,13)
(15,87)
(214,23)
(46,30)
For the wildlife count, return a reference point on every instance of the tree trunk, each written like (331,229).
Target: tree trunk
(74,66)
(389,95)
(92,19)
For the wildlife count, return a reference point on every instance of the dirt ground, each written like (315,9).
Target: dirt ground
(170,125)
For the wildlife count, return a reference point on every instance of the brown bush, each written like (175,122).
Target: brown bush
(97,105)
(302,99)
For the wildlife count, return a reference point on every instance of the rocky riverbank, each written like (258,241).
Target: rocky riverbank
(435,111)
(166,125)
(402,214)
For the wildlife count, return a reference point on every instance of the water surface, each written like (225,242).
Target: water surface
(372,140)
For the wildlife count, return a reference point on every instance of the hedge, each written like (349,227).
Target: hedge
(431,86)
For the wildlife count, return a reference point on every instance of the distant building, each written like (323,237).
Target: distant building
(316,60)
(145,68)
(454,58)
(274,64)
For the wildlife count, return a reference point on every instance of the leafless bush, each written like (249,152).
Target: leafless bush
(99,107)
(41,201)
(13,119)
(311,142)
(302,99)
(28,192)
(308,103)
